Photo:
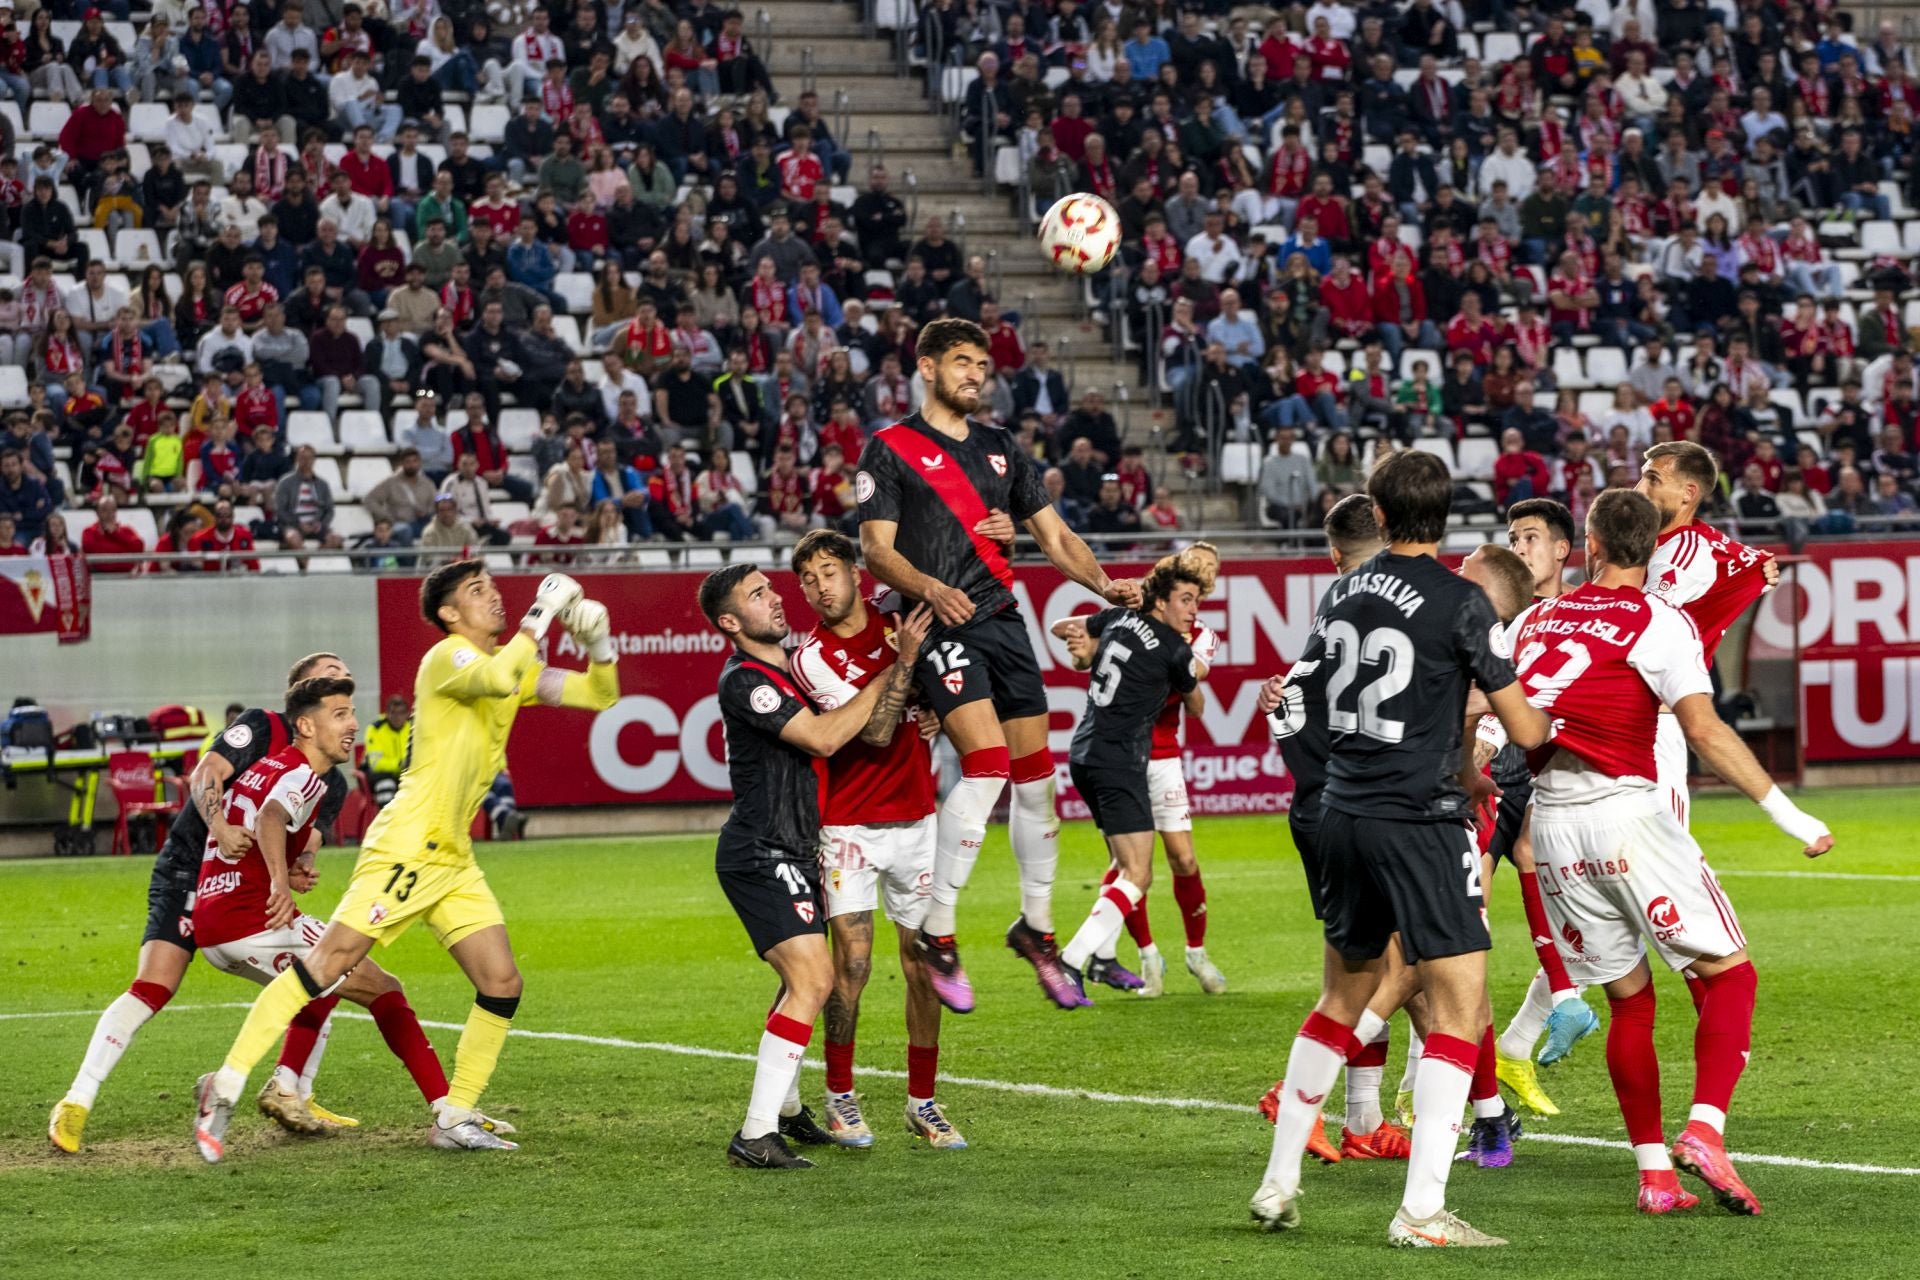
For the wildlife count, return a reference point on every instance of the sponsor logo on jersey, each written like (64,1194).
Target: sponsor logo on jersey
(237,736)
(1574,937)
(464,658)
(765,699)
(282,960)
(933,462)
(998,461)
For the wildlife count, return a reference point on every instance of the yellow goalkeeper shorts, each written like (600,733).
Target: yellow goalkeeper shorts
(386,895)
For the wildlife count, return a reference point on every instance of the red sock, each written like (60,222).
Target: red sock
(150,994)
(923,1065)
(1192,897)
(1138,927)
(1372,1054)
(407,1040)
(1725,1032)
(1543,943)
(1485,1083)
(1697,989)
(1635,1067)
(304,1032)
(839,1067)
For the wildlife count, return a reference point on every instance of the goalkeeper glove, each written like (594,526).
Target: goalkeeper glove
(592,630)
(558,593)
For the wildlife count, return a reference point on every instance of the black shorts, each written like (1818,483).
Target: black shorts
(1508,817)
(1306,838)
(1116,798)
(775,898)
(1421,879)
(990,657)
(176,874)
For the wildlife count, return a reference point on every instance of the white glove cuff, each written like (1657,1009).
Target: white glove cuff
(1791,818)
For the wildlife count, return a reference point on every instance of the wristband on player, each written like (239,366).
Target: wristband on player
(1791,818)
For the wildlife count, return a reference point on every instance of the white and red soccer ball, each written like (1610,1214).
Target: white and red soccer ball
(1080,234)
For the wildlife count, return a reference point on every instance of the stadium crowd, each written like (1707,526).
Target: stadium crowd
(571,277)
(1534,239)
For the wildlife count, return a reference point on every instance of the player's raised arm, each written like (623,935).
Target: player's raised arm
(499,674)
(1724,752)
(950,604)
(207,784)
(1074,558)
(821,733)
(899,685)
(598,687)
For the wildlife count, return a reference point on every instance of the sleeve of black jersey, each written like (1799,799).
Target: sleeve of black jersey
(244,743)
(753,698)
(332,798)
(1026,495)
(1097,622)
(877,486)
(1475,643)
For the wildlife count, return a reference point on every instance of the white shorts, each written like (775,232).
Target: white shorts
(859,863)
(1167,795)
(1670,767)
(1620,874)
(263,956)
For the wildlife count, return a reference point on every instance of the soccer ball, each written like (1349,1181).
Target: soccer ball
(1080,233)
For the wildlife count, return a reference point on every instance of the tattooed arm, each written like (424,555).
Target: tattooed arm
(209,787)
(893,698)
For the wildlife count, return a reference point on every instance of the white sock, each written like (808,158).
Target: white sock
(1410,1074)
(1363,1083)
(312,1067)
(118,1024)
(1529,1020)
(1439,1100)
(792,1105)
(1311,1069)
(1713,1117)
(1034,827)
(774,1072)
(1651,1157)
(1574,992)
(1488,1108)
(959,830)
(1104,922)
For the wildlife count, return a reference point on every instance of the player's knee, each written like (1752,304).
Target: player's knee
(1182,862)
(853,970)
(500,1006)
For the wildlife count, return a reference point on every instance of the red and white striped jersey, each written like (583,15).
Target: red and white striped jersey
(1601,661)
(866,784)
(1699,569)
(1166,729)
(231,901)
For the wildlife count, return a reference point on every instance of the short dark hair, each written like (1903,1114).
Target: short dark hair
(717,588)
(1350,525)
(304,668)
(1626,525)
(828,542)
(943,335)
(1690,462)
(1553,514)
(443,582)
(305,697)
(1414,493)
(1511,576)
(1167,575)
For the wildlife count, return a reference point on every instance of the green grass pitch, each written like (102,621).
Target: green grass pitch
(621,1172)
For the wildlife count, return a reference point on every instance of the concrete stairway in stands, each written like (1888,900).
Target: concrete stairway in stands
(822,44)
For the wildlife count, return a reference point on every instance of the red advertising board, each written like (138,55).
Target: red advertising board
(1856,607)
(662,741)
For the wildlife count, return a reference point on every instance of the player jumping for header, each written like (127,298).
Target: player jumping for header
(932,489)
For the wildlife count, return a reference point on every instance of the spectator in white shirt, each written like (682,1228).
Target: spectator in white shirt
(620,378)
(350,212)
(535,47)
(229,336)
(1507,164)
(191,140)
(242,208)
(1219,257)
(288,34)
(1644,97)
(1762,120)
(93,303)
(357,100)
(1340,20)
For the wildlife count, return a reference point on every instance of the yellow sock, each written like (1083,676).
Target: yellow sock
(473,1063)
(266,1022)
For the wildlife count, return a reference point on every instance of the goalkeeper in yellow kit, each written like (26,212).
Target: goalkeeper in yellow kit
(417,862)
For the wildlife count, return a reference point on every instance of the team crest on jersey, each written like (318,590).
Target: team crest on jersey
(376,913)
(237,736)
(998,462)
(765,699)
(804,909)
(863,487)
(893,642)
(955,681)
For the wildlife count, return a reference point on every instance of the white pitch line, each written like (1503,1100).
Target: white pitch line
(1024,1088)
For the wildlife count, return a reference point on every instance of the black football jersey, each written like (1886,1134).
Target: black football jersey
(1139,660)
(776,786)
(1403,637)
(1300,727)
(937,489)
(251,738)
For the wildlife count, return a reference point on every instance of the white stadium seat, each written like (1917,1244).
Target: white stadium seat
(364,431)
(364,473)
(1476,456)
(311,428)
